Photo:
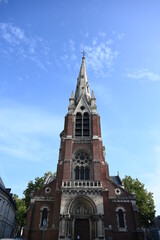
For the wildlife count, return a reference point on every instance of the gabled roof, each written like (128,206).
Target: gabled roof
(116,180)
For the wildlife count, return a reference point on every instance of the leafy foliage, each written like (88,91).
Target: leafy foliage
(144,199)
(33,187)
(23,204)
(21,212)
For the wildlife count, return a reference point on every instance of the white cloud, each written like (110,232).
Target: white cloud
(33,48)
(102,34)
(144,74)
(12,34)
(121,36)
(70,57)
(72,45)
(94,41)
(100,57)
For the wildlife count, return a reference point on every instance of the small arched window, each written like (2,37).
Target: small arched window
(44,215)
(78,126)
(121,218)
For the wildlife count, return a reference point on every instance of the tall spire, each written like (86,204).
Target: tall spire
(82,87)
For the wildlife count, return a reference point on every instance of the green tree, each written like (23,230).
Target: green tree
(20,213)
(34,186)
(144,199)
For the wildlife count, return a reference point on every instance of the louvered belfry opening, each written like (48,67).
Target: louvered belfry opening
(86,124)
(78,127)
(82,125)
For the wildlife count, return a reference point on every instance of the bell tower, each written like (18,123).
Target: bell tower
(83,201)
(82,166)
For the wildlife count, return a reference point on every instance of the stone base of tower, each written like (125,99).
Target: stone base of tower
(81,213)
(87,210)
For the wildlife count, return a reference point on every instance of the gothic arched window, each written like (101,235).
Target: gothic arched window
(44,215)
(82,173)
(86,173)
(78,126)
(82,125)
(77,173)
(81,166)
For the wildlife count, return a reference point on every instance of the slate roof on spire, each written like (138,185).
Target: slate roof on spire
(82,83)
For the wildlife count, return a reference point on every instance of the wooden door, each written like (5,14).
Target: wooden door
(82,230)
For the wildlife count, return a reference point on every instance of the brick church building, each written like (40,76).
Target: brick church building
(83,201)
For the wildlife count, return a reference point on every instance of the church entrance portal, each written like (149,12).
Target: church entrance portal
(82,229)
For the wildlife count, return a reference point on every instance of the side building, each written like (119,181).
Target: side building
(7,212)
(83,201)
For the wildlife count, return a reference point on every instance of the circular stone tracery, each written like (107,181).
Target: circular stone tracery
(82,157)
(81,166)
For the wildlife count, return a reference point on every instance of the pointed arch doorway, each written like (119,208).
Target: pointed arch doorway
(81,229)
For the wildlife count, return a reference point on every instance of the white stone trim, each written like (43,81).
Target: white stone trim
(124,214)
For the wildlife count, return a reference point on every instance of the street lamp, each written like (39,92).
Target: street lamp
(44,227)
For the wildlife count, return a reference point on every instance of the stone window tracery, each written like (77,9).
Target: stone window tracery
(81,166)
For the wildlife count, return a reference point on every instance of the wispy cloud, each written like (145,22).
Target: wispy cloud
(69,58)
(12,34)
(25,46)
(25,132)
(144,74)
(121,36)
(100,56)
(102,34)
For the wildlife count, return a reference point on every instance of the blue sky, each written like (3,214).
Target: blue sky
(40,56)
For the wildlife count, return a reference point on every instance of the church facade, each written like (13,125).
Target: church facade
(83,201)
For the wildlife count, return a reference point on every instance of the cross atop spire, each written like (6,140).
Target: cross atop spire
(82,82)
(83,54)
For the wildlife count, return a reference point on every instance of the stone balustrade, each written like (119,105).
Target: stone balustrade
(81,184)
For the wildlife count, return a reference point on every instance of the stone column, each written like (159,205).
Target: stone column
(100,227)
(62,227)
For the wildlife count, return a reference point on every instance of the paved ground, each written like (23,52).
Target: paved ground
(12,239)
